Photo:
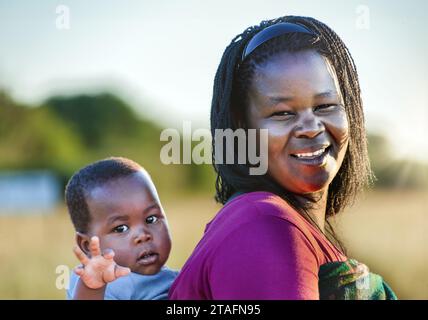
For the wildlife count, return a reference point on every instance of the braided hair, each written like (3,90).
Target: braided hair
(230,97)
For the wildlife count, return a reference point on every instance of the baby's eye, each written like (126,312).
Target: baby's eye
(151,219)
(120,229)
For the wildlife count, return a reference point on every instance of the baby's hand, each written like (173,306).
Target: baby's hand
(100,269)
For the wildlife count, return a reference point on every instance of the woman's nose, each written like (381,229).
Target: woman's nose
(309,126)
(142,236)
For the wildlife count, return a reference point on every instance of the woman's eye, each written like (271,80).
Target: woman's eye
(151,219)
(283,114)
(325,107)
(120,229)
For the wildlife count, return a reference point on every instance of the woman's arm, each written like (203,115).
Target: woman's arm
(267,258)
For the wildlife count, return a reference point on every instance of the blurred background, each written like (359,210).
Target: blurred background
(81,81)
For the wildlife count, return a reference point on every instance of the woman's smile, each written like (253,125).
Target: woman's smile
(312,158)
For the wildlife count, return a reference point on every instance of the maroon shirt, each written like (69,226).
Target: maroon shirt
(257,247)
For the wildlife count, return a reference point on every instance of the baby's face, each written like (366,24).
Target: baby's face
(127,217)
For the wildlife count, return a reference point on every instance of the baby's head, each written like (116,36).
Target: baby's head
(116,200)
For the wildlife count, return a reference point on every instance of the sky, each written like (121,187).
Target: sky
(161,56)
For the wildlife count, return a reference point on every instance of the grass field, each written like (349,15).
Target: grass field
(385,230)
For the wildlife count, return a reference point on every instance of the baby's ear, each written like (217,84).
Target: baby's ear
(82,241)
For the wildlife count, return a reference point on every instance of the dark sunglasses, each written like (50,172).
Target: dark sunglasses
(272,32)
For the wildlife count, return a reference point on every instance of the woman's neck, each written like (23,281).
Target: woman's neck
(317,207)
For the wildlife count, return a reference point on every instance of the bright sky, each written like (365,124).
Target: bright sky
(162,55)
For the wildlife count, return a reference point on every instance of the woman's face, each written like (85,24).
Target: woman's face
(296,96)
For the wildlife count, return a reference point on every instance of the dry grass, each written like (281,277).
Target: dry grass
(387,231)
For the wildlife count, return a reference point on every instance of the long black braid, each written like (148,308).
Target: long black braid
(229,101)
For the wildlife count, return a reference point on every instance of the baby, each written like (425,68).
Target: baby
(122,233)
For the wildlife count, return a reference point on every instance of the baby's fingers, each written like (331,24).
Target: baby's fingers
(121,271)
(108,254)
(79,270)
(81,255)
(94,246)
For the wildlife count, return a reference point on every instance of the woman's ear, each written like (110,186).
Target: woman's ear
(82,241)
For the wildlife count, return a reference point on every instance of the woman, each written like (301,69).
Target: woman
(294,77)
